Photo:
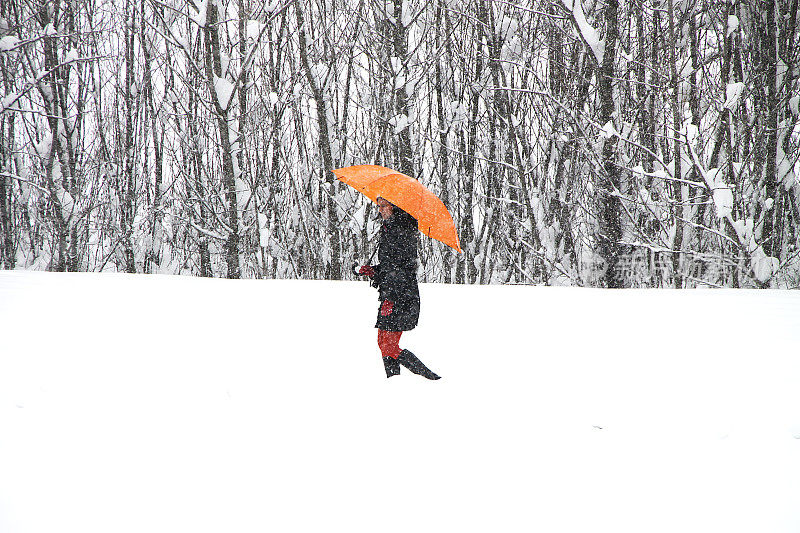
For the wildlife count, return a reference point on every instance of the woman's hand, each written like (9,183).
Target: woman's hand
(386,307)
(367,270)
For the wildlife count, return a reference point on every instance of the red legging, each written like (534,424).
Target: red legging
(388,343)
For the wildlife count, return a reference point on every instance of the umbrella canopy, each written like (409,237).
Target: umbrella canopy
(433,218)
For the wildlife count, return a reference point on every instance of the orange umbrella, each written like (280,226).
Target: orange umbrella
(433,218)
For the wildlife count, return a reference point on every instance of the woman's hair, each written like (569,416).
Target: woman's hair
(399,214)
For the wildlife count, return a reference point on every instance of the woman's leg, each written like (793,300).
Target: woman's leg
(389,343)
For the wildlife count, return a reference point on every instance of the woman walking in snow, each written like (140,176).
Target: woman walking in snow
(396,279)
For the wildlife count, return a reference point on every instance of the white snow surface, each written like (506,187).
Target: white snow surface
(164,404)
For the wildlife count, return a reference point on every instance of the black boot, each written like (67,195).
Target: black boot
(392,366)
(411,362)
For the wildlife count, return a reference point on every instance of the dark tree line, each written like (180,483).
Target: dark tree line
(597,143)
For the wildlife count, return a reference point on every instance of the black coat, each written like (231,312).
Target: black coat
(396,273)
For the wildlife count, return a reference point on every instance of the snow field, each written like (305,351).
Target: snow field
(163,404)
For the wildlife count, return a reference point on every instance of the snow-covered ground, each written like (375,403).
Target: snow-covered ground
(172,404)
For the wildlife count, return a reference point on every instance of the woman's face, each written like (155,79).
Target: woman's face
(384,208)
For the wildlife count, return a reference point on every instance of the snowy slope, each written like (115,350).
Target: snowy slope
(170,404)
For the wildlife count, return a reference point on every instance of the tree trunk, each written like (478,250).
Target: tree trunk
(128,188)
(214,71)
(772,226)
(444,129)
(677,187)
(55,187)
(466,271)
(152,258)
(334,267)
(194,178)
(401,107)
(7,249)
(609,186)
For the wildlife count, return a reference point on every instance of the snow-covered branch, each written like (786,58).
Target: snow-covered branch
(587,32)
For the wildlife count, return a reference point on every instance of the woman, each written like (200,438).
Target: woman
(396,279)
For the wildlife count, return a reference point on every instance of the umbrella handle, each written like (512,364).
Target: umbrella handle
(355,265)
